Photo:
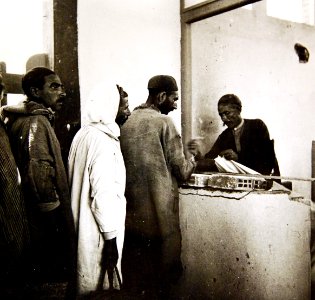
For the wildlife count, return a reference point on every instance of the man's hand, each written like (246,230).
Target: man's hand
(121,91)
(229,154)
(194,147)
(110,254)
(109,261)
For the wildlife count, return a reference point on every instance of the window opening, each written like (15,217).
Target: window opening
(299,11)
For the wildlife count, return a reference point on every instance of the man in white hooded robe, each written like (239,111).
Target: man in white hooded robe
(97,179)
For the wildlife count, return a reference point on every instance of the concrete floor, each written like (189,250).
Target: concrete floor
(38,291)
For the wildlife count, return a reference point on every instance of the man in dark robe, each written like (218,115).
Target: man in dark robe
(246,141)
(44,179)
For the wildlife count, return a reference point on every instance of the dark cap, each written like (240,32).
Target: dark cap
(230,99)
(164,83)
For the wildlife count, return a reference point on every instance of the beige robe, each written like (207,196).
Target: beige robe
(155,163)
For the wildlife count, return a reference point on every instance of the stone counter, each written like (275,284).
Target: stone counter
(245,245)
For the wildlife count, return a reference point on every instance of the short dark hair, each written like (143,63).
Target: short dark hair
(35,78)
(231,99)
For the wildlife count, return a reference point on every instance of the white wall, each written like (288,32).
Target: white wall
(130,41)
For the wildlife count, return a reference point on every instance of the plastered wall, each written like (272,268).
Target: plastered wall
(130,41)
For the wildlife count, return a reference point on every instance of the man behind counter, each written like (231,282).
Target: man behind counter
(246,141)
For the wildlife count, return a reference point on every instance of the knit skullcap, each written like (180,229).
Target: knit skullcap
(164,83)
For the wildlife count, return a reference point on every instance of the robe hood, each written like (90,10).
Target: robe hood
(101,108)
(9,113)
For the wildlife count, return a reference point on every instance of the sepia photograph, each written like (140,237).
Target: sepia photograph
(157,149)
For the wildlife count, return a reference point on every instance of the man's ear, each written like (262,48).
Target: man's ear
(161,97)
(34,91)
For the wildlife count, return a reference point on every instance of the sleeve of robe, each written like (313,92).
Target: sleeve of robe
(41,172)
(207,163)
(106,204)
(223,142)
(258,152)
(181,167)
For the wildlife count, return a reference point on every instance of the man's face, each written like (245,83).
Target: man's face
(169,104)
(123,111)
(52,94)
(230,115)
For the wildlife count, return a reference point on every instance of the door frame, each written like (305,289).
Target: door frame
(189,15)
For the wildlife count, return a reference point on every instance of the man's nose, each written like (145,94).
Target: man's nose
(224,117)
(63,94)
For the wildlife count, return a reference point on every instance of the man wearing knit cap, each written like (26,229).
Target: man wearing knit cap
(155,163)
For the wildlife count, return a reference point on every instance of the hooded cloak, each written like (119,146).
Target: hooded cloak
(97,179)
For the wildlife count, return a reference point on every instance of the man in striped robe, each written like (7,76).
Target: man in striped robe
(14,233)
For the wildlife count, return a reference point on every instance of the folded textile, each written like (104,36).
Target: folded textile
(231,166)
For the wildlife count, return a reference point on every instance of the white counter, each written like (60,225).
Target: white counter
(245,245)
